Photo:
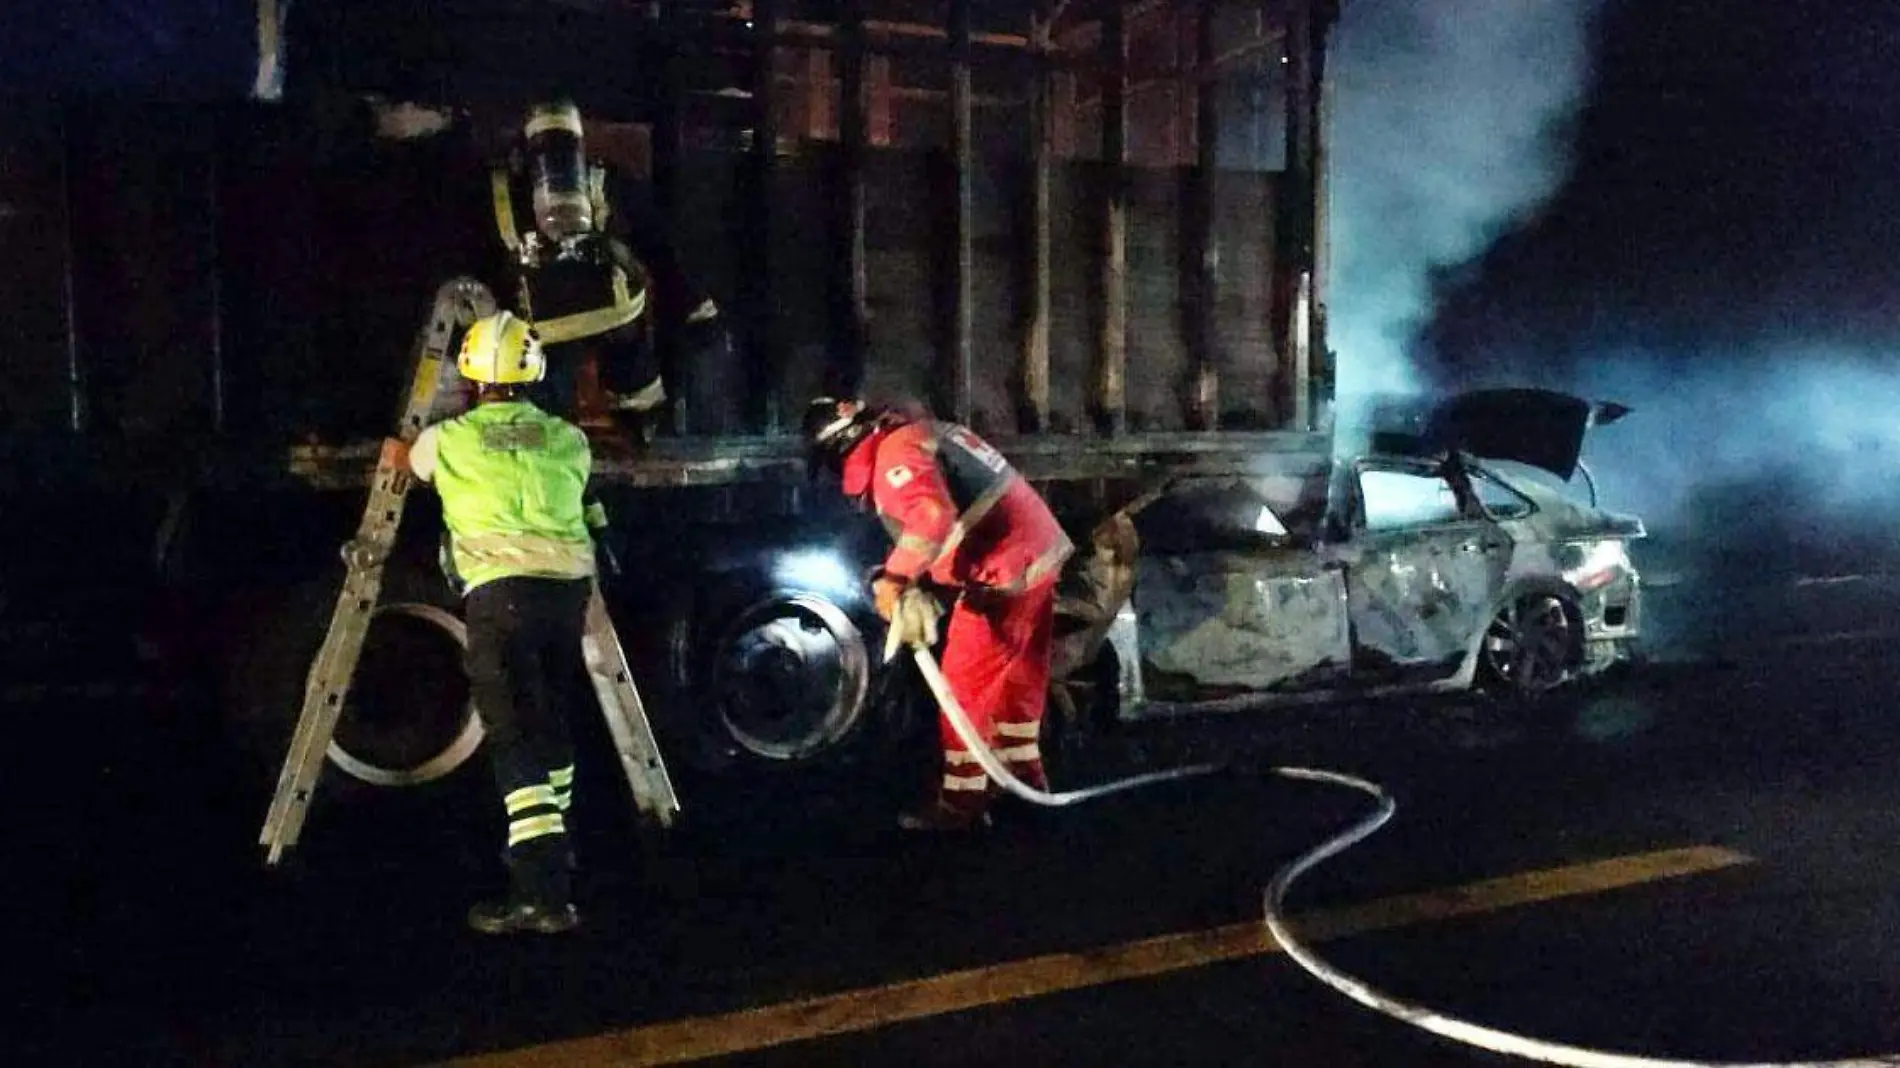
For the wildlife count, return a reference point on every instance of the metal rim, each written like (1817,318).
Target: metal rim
(451,757)
(780,622)
(1528,644)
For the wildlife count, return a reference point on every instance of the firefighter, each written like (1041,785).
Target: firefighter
(963,520)
(585,275)
(513,483)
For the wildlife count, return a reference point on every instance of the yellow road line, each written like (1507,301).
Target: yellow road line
(872,1007)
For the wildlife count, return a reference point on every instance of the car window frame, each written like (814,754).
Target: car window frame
(1480,471)
(1360,527)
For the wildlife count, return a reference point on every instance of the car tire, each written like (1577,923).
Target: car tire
(1530,647)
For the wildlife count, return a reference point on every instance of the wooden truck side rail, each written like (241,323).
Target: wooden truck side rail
(780,461)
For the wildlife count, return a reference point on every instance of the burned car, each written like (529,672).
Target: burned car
(1447,555)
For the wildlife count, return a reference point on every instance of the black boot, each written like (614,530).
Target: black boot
(514,915)
(540,896)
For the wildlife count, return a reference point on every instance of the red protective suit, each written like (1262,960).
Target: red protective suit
(962,515)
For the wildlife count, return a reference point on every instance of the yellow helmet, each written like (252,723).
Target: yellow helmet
(501,350)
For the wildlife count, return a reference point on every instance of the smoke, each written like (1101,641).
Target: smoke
(1721,259)
(1779,455)
(1445,134)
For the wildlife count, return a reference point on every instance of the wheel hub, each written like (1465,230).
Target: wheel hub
(789,677)
(1528,645)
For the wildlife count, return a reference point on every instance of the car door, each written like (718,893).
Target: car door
(1230,596)
(1424,566)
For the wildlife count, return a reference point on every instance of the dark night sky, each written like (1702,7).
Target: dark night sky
(1736,185)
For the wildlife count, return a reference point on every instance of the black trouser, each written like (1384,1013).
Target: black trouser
(524,668)
(629,363)
(626,362)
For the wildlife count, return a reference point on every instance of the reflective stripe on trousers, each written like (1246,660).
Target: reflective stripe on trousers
(997,663)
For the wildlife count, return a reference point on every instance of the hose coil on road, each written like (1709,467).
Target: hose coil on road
(1442,1024)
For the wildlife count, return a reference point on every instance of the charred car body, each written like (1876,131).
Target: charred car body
(1445,556)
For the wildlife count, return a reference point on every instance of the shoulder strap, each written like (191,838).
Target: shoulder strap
(504,201)
(597,193)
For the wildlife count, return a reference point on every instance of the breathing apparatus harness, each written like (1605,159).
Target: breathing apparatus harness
(566,259)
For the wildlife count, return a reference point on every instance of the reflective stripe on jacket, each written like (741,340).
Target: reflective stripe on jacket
(512,478)
(959,511)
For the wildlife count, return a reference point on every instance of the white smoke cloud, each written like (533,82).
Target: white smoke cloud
(1777,436)
(1443,136)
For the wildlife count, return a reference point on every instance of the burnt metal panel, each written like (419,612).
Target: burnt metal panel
(1033,412)
(710,187)
(1111,371)
(802,324)
(1246,334)
(1076,194)
(853,132)
(900,226)
(998,292)
(1295,229)
(1322,378)
(1418,598)
(1158,374)
(1228,622)
(1201,247)
(963,164)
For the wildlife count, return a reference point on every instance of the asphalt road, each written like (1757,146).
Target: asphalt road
(1690,861)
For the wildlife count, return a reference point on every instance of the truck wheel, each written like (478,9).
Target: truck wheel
(768,677)
(406,721)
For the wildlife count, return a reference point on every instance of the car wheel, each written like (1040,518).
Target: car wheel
(1529,647)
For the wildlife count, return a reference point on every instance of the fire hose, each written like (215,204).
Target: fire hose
(1438,1023)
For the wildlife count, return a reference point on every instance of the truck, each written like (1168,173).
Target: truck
(1094,231)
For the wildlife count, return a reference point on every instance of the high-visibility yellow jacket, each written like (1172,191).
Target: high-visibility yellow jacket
(512,480)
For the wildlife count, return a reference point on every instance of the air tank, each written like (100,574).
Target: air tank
(557,166)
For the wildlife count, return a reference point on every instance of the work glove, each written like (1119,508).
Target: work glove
(395,453)
(885,590)
(395,457)
(595,515)
(913,622)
